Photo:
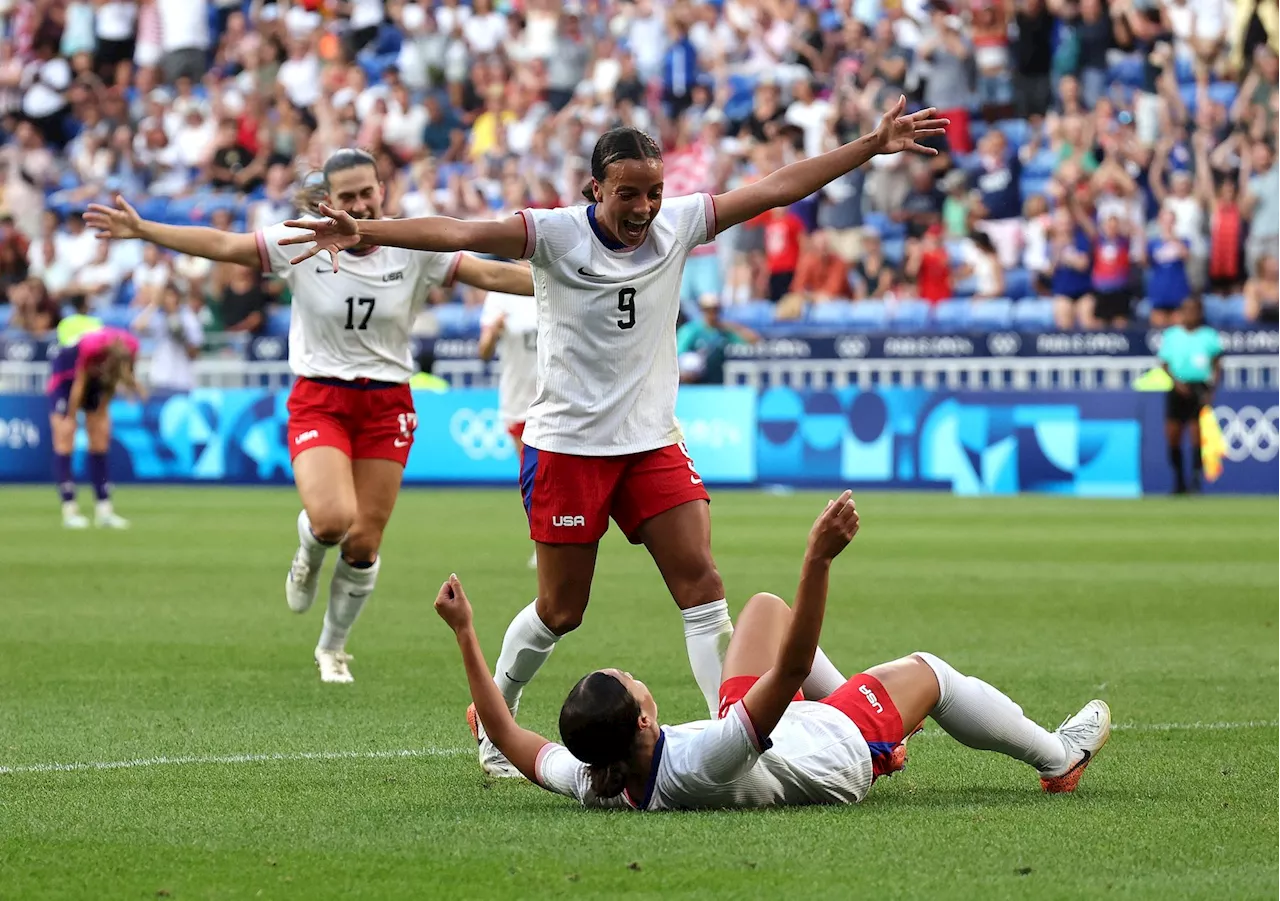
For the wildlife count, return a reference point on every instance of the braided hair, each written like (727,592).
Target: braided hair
(616,145)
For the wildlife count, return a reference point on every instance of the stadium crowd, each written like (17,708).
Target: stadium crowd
(1104,161)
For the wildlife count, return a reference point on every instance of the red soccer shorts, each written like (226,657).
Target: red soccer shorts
(862,699)
(569,499)
(365,420)
(516,431)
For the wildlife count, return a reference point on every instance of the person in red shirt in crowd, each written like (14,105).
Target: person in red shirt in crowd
(783,230)
(1112,274)
(820,276)
(930,267)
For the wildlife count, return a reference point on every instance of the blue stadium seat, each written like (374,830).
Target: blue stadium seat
(1033,314)
(1224,92)
(1225,312)
(754,314)
(1185,71)
(1142,310)
(1016,130)
(1018,283)
(152,207)
(1041,165)
(869,315)
(837,313)
(991,314)
(894,249)
(116,317)
(964,287)
(909,316)
(951,315)
(885,226)
(1128,70)
(1032,185)
(278,323)
(6,313)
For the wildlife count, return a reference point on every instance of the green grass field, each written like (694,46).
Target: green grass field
(168,650)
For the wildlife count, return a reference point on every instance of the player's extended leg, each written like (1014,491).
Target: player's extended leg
(326,487)
(377,485)
(982,717)
(97,423)
(63,430)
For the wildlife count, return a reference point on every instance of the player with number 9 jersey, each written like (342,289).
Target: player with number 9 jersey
(601,438)
(351,417)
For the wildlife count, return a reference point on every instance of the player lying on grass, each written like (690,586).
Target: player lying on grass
(788,732)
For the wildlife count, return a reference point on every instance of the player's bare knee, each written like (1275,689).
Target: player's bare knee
(763,601)
(331,524)
(559,620)
(701,585)
(362,546)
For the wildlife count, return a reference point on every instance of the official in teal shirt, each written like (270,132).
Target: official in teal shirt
(700,345)
(1192,355)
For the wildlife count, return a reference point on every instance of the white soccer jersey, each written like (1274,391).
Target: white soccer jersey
(607,370)
(816,755)
(518,351)
(354,323)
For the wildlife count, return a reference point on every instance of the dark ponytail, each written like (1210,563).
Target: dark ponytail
(615,145)
(599,723)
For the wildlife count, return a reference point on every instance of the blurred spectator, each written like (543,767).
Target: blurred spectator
(872,273)
(98,280)
(700,345)
(922,207)
(34,311)
(1113,273)
(150,276)
(982,264)
(1262,292)
(176,330)
(242,306)
(1070,273)
(1166,264)
(820,276)
(184,38)
(929,266)
(13,254)
(783,230)
(1032,50)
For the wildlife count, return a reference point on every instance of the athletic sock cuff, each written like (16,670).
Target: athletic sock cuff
(706,618)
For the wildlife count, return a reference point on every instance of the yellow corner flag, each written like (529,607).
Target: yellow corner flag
(1212,445)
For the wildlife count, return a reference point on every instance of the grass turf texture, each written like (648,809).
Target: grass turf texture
(173,640)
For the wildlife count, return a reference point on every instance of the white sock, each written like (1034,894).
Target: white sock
(314,548)
(823,679)
(349,590)
(982,717)
(707,630)
(526,646)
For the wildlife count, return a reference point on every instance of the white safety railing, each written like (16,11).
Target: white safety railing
(984,373)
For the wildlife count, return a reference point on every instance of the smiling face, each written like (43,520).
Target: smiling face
(357,192)
(629,197)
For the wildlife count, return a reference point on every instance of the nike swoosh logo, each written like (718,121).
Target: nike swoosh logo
(585,273)
(324,269)
(400,442)
(1083,762)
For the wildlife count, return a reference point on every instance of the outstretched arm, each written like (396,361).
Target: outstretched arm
(520,746)
(896,133)
(122,222)
(769,698)
(339,231)
(491,275)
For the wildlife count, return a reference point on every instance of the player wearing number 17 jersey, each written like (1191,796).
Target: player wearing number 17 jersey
(601,439)
(351,417)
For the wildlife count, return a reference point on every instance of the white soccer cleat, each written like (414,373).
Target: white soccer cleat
(492,761)
(333,666)
(71,519)
(110,520)
(301,583)
(1083,735)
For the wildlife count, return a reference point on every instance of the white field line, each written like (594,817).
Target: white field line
(289,757)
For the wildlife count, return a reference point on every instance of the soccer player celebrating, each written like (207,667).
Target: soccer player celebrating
(790,729)
(351,417)
(509,328)
(601,438)
(84,376)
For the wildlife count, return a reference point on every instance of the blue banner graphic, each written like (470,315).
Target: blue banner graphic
(1096,444)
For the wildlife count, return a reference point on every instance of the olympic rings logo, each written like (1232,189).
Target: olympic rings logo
(480,435)
(1249,433)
